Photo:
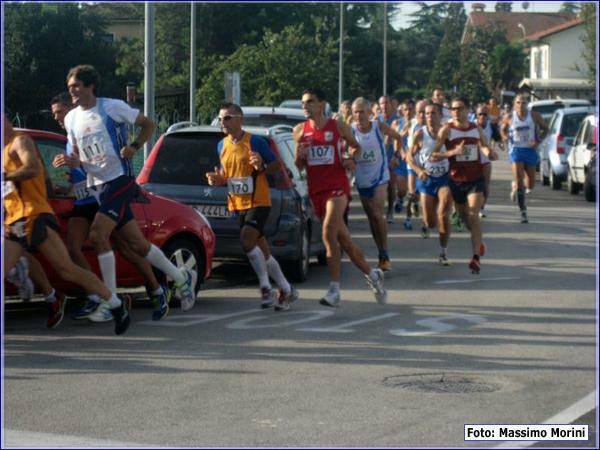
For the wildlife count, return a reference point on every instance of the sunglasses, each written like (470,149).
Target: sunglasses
(482,114)
(227,117)
(456,108)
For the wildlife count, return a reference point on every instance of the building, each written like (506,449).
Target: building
(555,54)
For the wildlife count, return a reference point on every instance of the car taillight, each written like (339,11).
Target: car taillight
(560,147)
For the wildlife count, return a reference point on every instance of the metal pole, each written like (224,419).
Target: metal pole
(149,71)
(341,56)
(384,48)
(193,63)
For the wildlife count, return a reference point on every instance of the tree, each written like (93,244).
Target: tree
(570,7)
(450,50)
(506,67)
(503,6)
(588,14)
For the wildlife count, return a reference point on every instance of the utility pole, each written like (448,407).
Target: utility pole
(384,48)
(193,63)
(341,56)
(149,71)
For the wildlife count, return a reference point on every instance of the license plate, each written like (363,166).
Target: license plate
(218,211)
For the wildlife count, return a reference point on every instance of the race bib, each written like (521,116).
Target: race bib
(240,185)
(92,148)
(469,155)
(367,157)
(7,188)
(320,155)
(81,190)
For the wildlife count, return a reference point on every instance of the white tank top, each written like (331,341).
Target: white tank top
(521,132)
(414,127)
(433,168)
(487,132)
(372,166)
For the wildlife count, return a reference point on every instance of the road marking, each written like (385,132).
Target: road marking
(437,324)
(188,320)
(31,439)
(344,328)
(245,324)
(474,280)
(566,416)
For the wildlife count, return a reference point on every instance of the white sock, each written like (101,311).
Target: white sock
(158,259)
(444,250)
(94,298)
(108,269)
(114,301)
(334,286)
(258,263)
(51,298)
(158,291)
(277,275)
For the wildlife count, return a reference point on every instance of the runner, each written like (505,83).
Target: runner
(519,130)
(30,225)
(96,130)
(78,229)
(389,116)
(439,98)
(464,142)
(492,135)
(318,150)
(245,162)
(372,173)
(412,206)
(432,180)
(407,112)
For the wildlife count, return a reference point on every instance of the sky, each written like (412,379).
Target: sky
(410,7)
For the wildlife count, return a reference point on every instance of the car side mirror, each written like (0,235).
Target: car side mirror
(591,146)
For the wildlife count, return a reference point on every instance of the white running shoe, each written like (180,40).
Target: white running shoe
(185,291)
(331,298)
(376,284)
(19,276)
(102,313)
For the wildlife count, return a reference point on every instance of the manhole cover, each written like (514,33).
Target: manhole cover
(441,383)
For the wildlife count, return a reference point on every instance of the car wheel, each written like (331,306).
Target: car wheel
(572,187)
(555,181)
(589,191)
(184,253)
(298,269)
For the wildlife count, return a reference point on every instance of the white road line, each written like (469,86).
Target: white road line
(566,416)
(475,280)
(31,439)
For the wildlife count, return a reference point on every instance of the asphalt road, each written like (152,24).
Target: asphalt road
(516,344)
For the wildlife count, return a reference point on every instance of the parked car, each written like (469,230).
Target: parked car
(177,168)
(269,116)
(583,159)
(547,107)
(556,145)
(297,104)
(181,232)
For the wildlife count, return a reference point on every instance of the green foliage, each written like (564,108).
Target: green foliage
(503,6)
(570,7)
(588,14)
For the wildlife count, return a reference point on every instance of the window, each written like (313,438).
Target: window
(58,183)
(571,123)
(539,60)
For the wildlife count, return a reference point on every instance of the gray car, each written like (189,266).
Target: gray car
(556,145)
(177,168)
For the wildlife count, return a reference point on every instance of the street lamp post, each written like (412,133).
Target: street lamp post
(149,70)
(341,58)
(193,62)
(384,48)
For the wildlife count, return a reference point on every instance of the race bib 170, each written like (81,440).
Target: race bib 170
(240,185)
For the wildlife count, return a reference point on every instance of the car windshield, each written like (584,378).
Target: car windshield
(185,158)
(547,110)
(270,120)
(571,123)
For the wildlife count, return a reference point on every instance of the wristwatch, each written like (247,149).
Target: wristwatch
(136,145)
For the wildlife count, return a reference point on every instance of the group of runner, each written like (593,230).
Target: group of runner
(432,153)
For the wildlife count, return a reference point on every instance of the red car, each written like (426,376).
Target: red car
(180,231)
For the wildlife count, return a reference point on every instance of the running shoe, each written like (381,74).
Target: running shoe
(86,310)
(19,276)
(56,310)
(475,266)
(160,304)
(524,218)
(482,249)
(268,297)
(101,314)
(408,224)
(482,214)
(285,300)
(528,191)
(377,286)
(424,232)
(121,315)
(331,298)
(185,291)
(399,206)
(385,264)
(443,259)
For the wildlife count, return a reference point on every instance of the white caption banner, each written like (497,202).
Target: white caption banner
(526,432)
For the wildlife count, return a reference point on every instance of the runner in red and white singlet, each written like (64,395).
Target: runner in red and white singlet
(319,151)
